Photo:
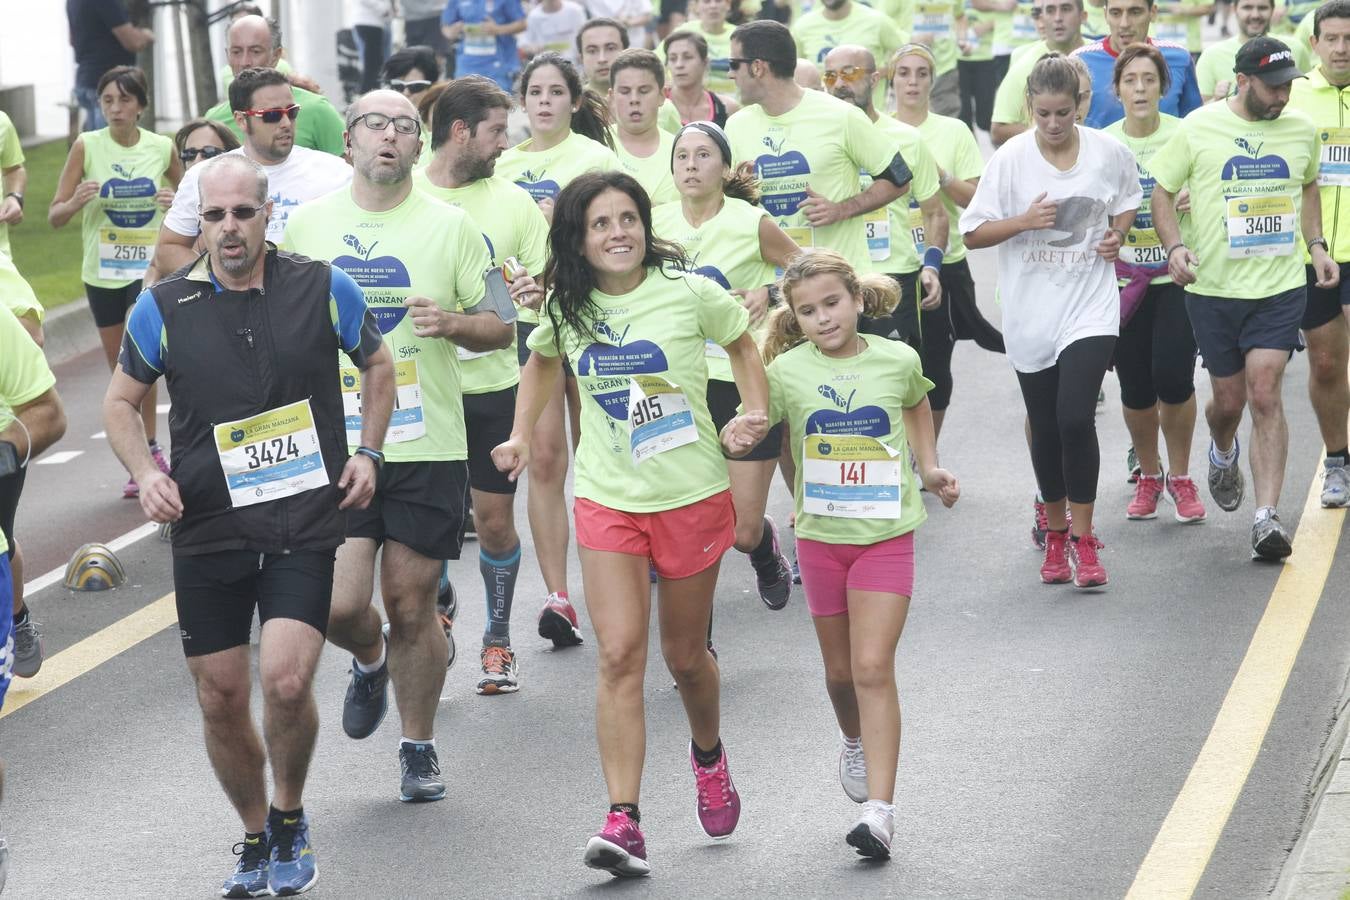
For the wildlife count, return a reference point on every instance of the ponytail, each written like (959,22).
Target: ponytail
(878,293)
(783,333)
(592,118)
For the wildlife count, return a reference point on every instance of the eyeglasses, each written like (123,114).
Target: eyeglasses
(379,122)
(273,115)
(735,62)
(409,87)
(189,154)
(1063,9)
(241,213)
(847,73)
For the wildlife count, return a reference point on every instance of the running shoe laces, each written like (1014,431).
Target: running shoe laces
(855,764)
(497,660)
(421,764)
(714,786)
(1087,547)
(284,832)
(252,855)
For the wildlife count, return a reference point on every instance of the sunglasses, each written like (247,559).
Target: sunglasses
(241,213)
(735,62)
(379,122)
(187,155)
(850,74)
(409,87)
(273,116)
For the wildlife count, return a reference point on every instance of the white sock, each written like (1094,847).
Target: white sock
(429,742)
(883,807)
(1223,458)
(373,667)
(851,743)
(1264,512)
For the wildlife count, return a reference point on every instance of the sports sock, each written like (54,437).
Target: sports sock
(21,617)
(762,557)
(707,758)
(1338,458)
(276,815)
(499,581)
(630,808)
(375,666)
(429,742)
(1223,458)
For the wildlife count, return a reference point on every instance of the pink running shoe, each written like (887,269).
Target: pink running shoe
(1040,524)
(558,621)
(131,490)
(618,848)
(157,454)
(1186,496)
(719,806)
(1055,567)
(1087,568)
(1147,490)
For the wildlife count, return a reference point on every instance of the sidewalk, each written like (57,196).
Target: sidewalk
(69,331)
(1318,867)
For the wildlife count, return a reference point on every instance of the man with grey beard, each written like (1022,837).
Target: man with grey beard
(245,338)
(421,263)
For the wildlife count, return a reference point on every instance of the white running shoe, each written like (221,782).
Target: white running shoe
(853,770)
(871,834)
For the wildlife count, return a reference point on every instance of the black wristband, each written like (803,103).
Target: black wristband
(1172,249)
(17,196)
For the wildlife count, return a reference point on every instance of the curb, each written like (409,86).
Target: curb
(69,331)
(1318,867)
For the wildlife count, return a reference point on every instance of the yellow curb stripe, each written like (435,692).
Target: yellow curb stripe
(1182,849)
(91,653)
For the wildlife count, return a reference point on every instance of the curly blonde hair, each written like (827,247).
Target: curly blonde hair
(879,296)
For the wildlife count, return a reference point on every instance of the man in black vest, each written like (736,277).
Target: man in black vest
(248,339)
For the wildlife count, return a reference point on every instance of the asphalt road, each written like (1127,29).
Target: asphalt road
(1047,732)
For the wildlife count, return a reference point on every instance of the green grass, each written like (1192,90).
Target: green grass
(48,258)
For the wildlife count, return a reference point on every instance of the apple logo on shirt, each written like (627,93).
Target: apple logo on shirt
(711,272)
(540,188)
(869,421)
(124,197)
(375,272)
(617,360)
(1253,165)
(1078,216)
(781,200)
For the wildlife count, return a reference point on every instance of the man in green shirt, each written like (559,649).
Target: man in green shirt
(1252,168)
(836,22)
(15,180)
(1214,69)
(1061,22)
(252,43)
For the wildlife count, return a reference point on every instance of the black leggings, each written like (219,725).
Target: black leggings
(370,41)
(1155,356)
(957,319)
(1062,408)
(979,82)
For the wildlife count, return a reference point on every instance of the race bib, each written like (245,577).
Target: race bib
(406,423)
(1334,168)
(877,225)
(1260,226)
(475,42)
(124,253)
(1171,28)
(916,228)
(848,476)
(659,417)
(933,19)
(803,236)
(271,455)
(1143,248)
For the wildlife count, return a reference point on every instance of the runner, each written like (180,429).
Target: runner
(855,528)
(851,75)
(469,136)
(1129,21)
(484,35)
(736,244)
(264,107)
(411,71)
(1320,97)
(421,264)
(598,42)
(836,22)
(686,56)
(31,420)
(13,180)
(959,166)
(1061,23)
(255,42)
(635,99)
(569,136)
(1180,22)
(1155,355)
(650,480)
(817,146)
(935,24)
(120,179)
(1246,287)
(259,483)
(1061,307)
(202,139)
(710,23)
(552,25)
(1214,68)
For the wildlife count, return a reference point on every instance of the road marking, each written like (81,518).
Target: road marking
(98,436)
(118,543)
(91,652)
(1181,851)
(161,408)
(55,459)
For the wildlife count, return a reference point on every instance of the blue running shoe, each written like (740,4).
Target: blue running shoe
(294,869)
(250,873)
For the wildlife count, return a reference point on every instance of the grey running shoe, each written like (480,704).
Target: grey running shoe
(1270,540)
(1225,482)
(367,701)
(1335,492)
(27,649)
(421,774)
(775,584)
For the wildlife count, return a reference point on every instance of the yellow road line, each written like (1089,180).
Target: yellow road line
(91,652)
(1181,851)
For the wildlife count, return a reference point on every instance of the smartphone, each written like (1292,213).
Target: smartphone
(9,459)
(498,297)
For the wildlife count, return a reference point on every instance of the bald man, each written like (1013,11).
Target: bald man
(421,264)
(253,42)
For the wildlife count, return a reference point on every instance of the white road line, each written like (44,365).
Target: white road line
(55,575)
(55,459)
(162,408)
(99,436)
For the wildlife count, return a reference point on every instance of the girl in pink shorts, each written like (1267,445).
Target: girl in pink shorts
(856,405)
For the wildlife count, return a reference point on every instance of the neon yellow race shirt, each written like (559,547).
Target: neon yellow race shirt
(891,234)
(1142,246)
(120,225)
(954,150)
(24,377)
(11,155)
(652,172)
(816,36)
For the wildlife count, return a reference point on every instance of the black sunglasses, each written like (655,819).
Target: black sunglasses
(273,116)
(189,154)
(409,87)
(734,62)
(241,213)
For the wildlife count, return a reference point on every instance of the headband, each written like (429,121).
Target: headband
(914,50)
(712,130)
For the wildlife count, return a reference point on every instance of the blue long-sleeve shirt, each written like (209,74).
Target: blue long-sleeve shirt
(1183,94)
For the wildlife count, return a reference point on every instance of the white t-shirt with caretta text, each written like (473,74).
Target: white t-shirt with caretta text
(303,176)
(1054,287)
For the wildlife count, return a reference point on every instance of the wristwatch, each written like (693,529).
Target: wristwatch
(17,196)
(374,455)
(1318,242)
